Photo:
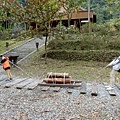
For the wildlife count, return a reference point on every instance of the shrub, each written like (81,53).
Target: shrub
(101,44)
(102,56)
(87,42)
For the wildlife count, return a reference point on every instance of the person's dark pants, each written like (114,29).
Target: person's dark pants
(119,70)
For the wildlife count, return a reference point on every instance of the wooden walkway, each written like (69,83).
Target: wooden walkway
(84,88)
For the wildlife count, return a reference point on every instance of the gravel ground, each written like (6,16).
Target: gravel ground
(22,104)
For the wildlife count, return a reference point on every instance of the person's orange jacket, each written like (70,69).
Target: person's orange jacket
(5,63)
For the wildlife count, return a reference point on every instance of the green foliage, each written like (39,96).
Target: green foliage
(64,32)
(40,12)
(72,29)
(4,35)
(117,24)
(70,7)
(86,42)
(103,44)
(103,56)
(104,9)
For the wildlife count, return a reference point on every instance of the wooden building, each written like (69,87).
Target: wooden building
(78,18)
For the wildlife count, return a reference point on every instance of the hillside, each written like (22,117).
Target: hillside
(99,45)
(100,7)
(104,11)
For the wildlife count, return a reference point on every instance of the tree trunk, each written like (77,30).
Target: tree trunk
(69,18)
(46,39)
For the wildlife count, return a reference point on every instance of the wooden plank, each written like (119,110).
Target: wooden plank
(4,82)
(57,80)
(76,81)
(105,83)
(61,80)
(69,90)
(15,81)
(112,92)
(55,89)
(24,83)
(45,88)
(60,85)
(83,89)
(118,85)
(3,77)
(94,91)
(57,75)
(32,85)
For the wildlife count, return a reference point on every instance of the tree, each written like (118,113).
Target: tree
(114,7)
(104,9)
(70,7)
(40,12)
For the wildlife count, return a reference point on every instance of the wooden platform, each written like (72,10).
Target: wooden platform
(76,87)
(60,85)
(19,83)
(45,88)
(55,89)
(118,85)
(94,91)
(110,90)
(72,84)
(2,77)
(69,90)
(24,83)
(14,82)
(83,89)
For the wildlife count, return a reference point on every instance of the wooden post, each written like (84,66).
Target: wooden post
(7,44)
(75,23)
(37,45)
(89,14)
(79,24)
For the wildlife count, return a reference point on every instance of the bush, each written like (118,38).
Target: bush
(103,56)
(87,42)
(4,35)
(101,44)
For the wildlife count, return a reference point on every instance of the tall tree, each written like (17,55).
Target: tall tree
(104,9)
(40,12)
(114,7)
(70,7)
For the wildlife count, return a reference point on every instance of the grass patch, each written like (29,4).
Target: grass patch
(12,43)
(78,70)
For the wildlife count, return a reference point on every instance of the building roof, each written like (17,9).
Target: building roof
(80,13)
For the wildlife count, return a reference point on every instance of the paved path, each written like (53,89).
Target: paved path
(23,51)
(26,49)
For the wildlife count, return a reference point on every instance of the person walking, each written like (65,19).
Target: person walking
(115,65)
(6,66)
